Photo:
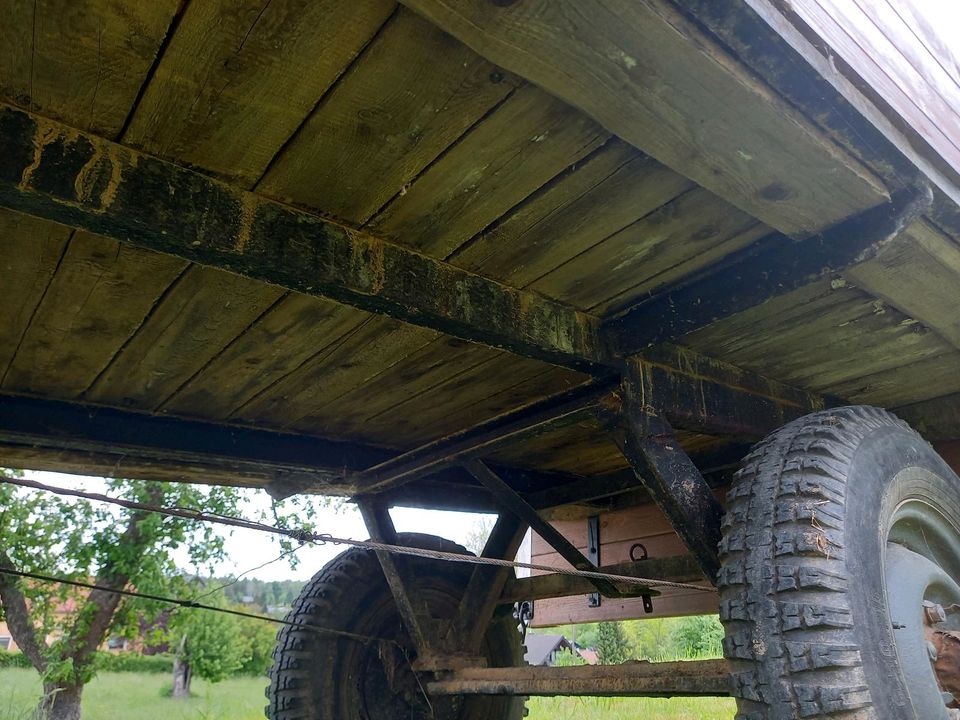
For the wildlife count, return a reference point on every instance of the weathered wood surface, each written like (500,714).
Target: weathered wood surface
(54,171)
(899,56)
(414,93)
(764,271)
(634,679)
(79,61)
(224,56)
(608,60)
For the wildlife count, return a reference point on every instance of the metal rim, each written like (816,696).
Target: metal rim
(922,578)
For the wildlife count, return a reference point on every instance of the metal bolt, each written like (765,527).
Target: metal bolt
(932,651)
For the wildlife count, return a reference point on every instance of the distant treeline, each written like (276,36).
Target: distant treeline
(261,593)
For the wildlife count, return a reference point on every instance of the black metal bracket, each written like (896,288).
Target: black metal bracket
(593,553)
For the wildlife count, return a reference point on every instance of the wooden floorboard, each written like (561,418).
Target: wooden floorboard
(598,196)
(412,94)
(98,298)
(80,61)
(30,252)
(197,319)
(238,79)
(528,140)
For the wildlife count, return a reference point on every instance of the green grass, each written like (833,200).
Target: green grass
(631,708)
(138,696)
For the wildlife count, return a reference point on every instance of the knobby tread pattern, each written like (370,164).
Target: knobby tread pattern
(783,581)
(329,598)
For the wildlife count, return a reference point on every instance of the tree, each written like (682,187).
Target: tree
(210,645)
(612,647)
(115,548)
(697,637)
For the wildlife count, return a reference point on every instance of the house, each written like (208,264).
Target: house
(543,649)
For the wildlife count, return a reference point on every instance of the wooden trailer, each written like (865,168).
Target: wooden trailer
(563,260)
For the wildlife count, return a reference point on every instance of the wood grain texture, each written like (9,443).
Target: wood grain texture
(909,383)
(286,337)
(238,78)
(30,251)
(528,140)
(884,51)
(919,274)
(820,337)
(647,74)
(415,91)
(204,312)
(100,295)
(80,61)
(685,235)
(362,353)
(614,187)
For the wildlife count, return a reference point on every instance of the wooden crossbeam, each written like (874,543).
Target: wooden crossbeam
(772,267)
(55,172)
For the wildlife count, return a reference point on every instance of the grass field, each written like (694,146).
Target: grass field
(136,696)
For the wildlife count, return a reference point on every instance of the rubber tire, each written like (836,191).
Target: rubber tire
(311,672)
(802,595)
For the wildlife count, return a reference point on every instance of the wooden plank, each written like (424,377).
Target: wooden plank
(609,190)
(647,74)
(415,376)
(287,336)
(415,91)
(238,79)
(480,393)
(528,140)
(670,603)
(97,300)
(360,354)
(53,171)
(918,274)
(911,382)
(687,234)
(204,312)
(30,251)
(80,61)
(583,448)
(771,267)
(884,54)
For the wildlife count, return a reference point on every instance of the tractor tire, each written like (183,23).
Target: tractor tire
(842,531)
(325,677)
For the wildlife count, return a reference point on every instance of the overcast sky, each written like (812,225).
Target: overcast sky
(249,548)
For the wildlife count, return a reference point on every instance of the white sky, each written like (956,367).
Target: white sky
(248,548)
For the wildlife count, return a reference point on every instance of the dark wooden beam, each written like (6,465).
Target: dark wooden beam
(771,267)
(161,445)
(673,481)
(55,172)
(937,419)
(700,394)
(637,679)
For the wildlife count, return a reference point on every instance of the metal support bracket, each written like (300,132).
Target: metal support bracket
(593,553)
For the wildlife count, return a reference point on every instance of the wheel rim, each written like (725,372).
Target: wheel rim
(922,569)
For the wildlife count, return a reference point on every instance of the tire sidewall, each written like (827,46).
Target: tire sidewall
(891,465)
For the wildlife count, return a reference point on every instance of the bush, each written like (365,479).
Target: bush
(14,660)
(130,662)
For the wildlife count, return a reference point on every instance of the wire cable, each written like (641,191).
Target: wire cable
(305,536)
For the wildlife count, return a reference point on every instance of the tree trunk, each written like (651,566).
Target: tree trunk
(182,674)
(60,702)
